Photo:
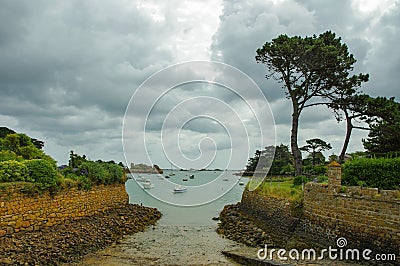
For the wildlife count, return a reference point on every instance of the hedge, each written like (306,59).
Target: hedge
(382,173)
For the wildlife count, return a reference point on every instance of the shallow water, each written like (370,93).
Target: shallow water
(167,245)
(196,215)
(184,235)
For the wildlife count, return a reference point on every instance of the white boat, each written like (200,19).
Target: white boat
(180,189)
(225,179)
(241,183)
(147,184)
(141,179)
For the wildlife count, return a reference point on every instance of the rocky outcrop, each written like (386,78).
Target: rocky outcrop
(238,227)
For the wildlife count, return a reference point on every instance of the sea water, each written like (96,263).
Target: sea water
(224,183)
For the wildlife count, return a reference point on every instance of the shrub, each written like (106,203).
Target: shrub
(322,178)
(315,170)
(42,172)
(300,179)
(382,173)
(84,183)
(6,155)
(12,171)
(94,171)
(115,173)
(101,173)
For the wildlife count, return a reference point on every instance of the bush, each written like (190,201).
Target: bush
(94,171)
(12,171)
(315,170)
(322,178)
(6,155)
(115,173)
(101,173)
(382,173)
(84,183)
(42,172)
(300,179)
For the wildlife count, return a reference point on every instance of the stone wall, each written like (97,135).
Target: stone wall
(366,217)
(21,212)
(278,217)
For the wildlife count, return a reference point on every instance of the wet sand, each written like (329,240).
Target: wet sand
(166,245)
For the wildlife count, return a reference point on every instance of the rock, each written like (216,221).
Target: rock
(239,228)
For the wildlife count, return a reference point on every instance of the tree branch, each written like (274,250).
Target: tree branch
(362,128)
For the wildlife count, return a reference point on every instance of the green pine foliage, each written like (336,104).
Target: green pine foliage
(382,173)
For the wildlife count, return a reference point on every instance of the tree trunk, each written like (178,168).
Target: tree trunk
(298,164)
(313,158)
(349,128)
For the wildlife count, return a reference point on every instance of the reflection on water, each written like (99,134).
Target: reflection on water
(177,215)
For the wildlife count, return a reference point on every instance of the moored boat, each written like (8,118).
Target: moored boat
(179,189)
(141,179)
(147,184)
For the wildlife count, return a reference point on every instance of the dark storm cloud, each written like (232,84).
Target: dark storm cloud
(70,67)
(372,37)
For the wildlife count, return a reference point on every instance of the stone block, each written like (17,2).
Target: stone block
(10,230)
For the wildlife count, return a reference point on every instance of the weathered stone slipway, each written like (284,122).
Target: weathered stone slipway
(50,229)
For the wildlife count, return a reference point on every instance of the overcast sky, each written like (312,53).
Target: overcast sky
(68,69)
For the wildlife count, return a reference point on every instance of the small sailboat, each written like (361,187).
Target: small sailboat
(191,176)
(179,189)
(225,179)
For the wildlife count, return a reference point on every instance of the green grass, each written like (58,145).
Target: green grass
(281,190)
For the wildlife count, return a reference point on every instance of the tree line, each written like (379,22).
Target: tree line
(23,160)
